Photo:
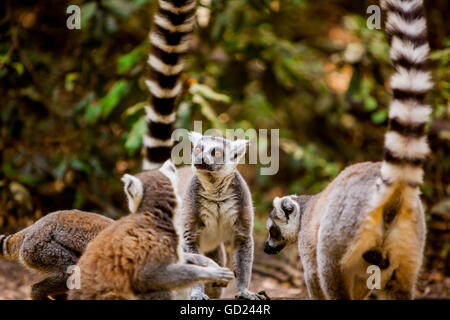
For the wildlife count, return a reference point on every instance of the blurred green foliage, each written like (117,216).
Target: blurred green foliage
(72,101)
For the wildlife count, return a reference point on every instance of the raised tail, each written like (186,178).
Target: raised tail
(405,145)
(169,38)
(10,245)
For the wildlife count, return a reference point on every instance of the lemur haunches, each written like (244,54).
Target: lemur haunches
(51,245)
(371,214)
(140,255)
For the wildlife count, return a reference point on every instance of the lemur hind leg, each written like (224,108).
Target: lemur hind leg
(313,284)
(214,290)
(53,259)
(54,286)
(332,280)
(308,259)
(360,291)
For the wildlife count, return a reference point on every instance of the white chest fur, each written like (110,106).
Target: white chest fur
(219,218)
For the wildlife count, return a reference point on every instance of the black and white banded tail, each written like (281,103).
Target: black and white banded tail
(405,145)
(173,24)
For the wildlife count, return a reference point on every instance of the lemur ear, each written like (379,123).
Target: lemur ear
(170,171)
(134,190)
(238,148)
(194,137)
(288,206)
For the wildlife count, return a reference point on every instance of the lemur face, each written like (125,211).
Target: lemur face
(216,154)
(282,224)
(134,186)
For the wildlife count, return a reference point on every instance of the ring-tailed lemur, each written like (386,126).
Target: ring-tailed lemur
(173,25)
(217,207)
(140,255)
(371,214)
(56,241)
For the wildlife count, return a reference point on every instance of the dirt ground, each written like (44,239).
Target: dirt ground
(280,276)
(15,280)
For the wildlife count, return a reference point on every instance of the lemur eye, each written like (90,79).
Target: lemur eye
(288,207)
(273,233)
(197,150)
(217,153)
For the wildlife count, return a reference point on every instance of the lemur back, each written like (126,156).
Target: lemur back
(140,255)
(169,38)
(51,245)
(371,214)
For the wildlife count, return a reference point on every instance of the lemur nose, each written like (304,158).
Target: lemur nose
(268,249)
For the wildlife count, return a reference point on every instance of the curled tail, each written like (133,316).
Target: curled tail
(405,145)
(10,245)
(169,38)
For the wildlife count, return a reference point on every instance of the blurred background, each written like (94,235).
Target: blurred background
(72,114)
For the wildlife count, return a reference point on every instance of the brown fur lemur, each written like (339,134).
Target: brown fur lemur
(217,208)
(371,214)
(140,255)
(51,245)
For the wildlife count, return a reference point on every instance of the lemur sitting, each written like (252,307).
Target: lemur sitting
(56,241)
(371,214)
(140,255)
(51,245)
(61,237)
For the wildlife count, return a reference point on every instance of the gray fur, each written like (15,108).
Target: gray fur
(330,223)
(217,209)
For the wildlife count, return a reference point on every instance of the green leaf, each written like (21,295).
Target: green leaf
(60,170)
(127,61)
(131,111)
(379,117)
(79,200)
(93,113)
(81,106)
(19,68)
(134,139)
(112,99)
(87,12)
(122,8)
(80,165)
(208,93)
(69,80)
(370,103)
(440,54)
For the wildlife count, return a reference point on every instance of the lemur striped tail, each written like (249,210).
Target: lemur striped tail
(169,38)
(10,245)
(2,241)
(405,145)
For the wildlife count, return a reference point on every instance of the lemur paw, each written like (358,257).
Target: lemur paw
(248,295)
(197,295)
(221,275)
